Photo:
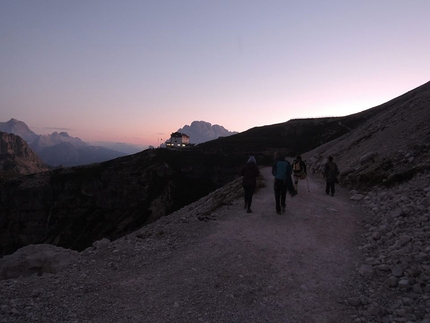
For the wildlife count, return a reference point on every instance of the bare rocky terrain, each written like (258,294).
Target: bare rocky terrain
(324,260)
(198,265)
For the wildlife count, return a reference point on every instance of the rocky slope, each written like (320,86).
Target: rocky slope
(386,163)
(387,149)
(396,246)
(17,157)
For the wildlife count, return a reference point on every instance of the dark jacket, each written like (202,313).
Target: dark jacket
(331,171)
(250,172)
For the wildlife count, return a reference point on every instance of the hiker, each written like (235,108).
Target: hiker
(250,172)
(299,171)
(330,174)
(282,171)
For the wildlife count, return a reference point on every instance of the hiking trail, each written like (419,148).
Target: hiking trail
(296,267)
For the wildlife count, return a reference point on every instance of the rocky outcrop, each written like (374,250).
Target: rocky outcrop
(16,156)
(36,260)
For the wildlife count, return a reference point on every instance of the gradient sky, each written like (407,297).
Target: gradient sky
(135,71)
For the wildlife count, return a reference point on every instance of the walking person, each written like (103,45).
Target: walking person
(281,170)
(299,171)
(331,172)
(250,172)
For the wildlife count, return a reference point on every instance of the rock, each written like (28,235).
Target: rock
(366,270)
(417,289)
(354,301)
(101,244)
(373,310)
(392,281)
(404,283)
(397,213)
(397,271)
(376,236)
(357,197)
(36,259)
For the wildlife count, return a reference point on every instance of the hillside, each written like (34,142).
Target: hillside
(389,148)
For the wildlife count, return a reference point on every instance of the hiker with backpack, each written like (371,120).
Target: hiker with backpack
(299,171)
(250,172)
(281,170)
(331,172)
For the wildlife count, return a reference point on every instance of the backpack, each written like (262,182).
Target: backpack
(297,167)
(281,169)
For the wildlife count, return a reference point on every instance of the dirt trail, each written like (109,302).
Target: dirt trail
(260,267)
(247,268)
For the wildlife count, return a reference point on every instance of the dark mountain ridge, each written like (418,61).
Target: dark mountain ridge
(72,207)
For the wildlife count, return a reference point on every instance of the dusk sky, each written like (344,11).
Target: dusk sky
(135,71)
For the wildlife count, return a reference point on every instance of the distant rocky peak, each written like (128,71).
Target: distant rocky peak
(60,134)
(18,128)
(202,131)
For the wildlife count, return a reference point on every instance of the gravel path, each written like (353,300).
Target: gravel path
(229,266)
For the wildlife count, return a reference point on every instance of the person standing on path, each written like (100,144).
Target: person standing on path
(299,171)
(331,172)
(250,172)
(281,170)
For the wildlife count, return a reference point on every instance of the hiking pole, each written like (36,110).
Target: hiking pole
(307,181)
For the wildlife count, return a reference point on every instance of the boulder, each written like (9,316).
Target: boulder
(36,259)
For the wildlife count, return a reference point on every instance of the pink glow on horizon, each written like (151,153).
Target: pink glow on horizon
(136,71)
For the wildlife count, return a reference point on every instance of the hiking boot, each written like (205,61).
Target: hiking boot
(278,212)
(248,211)
(293,193)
